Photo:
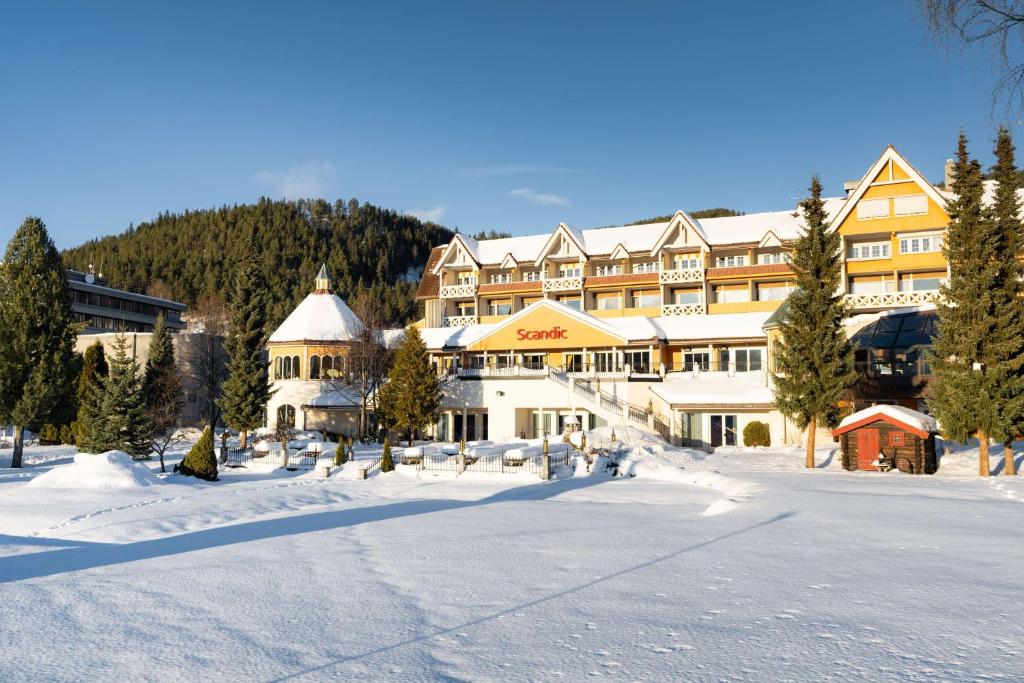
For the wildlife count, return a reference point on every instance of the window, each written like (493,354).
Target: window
(924,244)
(531,275)
(314,367)
(731,294)
(645,299)
(286,415)
(647,267)
(501,308)
(686,296)
(686,261)
(696,359)
(574,362)
(476,361)
(608,270)
(774,257)
(609,302)
(604,361)
(730,261)
(748,360)
(638,361)
(499,278)
(895,438)
(910,205)
(872,285)
(465,278)
(278,371)
(873,208)
(774,291)
(570,270)
(533,361)
(869,250)
(571,302)
(465,308)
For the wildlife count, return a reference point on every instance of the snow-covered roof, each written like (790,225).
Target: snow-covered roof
(905,416)
(321,317)
(715,388)
(337,398)
(717,326)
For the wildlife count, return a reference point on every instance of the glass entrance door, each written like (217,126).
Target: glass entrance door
(723,430)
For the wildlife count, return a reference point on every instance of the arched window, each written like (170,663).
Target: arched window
(314,367)
(286,415)
(277,367)
(296,368)
(327,367)
(286,368)
(339,365)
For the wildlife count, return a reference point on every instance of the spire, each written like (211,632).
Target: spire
(323,281)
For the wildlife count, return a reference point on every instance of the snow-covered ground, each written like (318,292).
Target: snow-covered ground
(740,565)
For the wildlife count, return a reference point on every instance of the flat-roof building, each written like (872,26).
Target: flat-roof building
(106,309)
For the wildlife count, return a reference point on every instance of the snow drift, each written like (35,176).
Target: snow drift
(110,470)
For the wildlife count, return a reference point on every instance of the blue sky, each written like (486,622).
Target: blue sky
(480,115)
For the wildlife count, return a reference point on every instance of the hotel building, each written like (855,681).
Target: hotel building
(670,326)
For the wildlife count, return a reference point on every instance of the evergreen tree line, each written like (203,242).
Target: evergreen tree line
(370,251)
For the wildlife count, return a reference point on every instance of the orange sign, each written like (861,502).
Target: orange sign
(555,332)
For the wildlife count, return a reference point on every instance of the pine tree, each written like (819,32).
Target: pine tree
(411,396)
(814,361)
(162,390)
(201,461)
(971,362)
(387,464)
(121,422)
(36,331)
(89,392)
(246,390)
(1006,213)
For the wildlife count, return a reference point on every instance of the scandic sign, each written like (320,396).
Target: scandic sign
(555,332)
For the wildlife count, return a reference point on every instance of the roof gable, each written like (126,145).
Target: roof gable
(547,324)
(565,241)
(459,252)
(681,231)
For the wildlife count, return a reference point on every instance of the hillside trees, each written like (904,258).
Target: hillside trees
(814,361)
(36,332)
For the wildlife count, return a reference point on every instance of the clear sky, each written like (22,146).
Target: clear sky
(511,115)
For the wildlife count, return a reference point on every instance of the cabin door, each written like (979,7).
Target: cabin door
(867,449)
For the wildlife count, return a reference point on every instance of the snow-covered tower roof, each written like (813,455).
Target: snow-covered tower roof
(321,317)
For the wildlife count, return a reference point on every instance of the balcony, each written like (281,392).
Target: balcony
(667,277)
(563,284)
(463,290)
(859,302)
(459,320)
(683,309)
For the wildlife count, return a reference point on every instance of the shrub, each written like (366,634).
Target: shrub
(201,462)
(756,434)
(386,462)
(67,434)
(48,435)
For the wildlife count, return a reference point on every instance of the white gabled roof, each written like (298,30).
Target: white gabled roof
(907,416)
(320,317)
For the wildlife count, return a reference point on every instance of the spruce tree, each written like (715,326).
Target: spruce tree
(1006,214)
(814,361)
(36,331)
(121,422)
(387,463)
(412,395)
(246,390)
(89,392)
(201,461)
(162,390)
(971,362)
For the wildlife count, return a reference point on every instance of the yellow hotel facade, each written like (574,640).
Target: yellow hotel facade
(669,327)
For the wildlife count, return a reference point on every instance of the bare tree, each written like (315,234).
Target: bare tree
(164,414)
(205,357)
(369,359)
(995,24)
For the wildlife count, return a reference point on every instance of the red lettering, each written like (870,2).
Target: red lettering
(556,332)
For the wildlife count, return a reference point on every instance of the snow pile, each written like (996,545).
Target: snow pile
(110,470)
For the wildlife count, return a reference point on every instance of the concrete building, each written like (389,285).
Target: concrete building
(105,309)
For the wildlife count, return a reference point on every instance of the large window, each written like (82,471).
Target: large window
(864,251)
(730,261)
(774,257)
(923,244)
(571,302)
(465,308)
(872,284)
(645,299)
(465,278)
(287,367)
(608,269)
(286,416)
(609,302)
(774,291)
(686,296)
(569,270)
(638,361)
(731,294)
(686,261)
(646,267)
(500,307)
(604,361)
(693,360)
(499,278)
(921,283)
(531,275)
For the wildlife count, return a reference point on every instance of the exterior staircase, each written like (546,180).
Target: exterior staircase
(610,407)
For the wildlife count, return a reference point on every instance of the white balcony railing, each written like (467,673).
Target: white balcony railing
(459,320)
(562,284)
(466,289)
(890,299)
(682,275)
(682,309)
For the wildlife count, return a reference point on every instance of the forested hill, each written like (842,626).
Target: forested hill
(368,250)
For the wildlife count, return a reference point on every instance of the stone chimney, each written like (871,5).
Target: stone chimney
(947,175)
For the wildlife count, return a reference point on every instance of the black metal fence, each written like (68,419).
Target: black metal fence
(299,460)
